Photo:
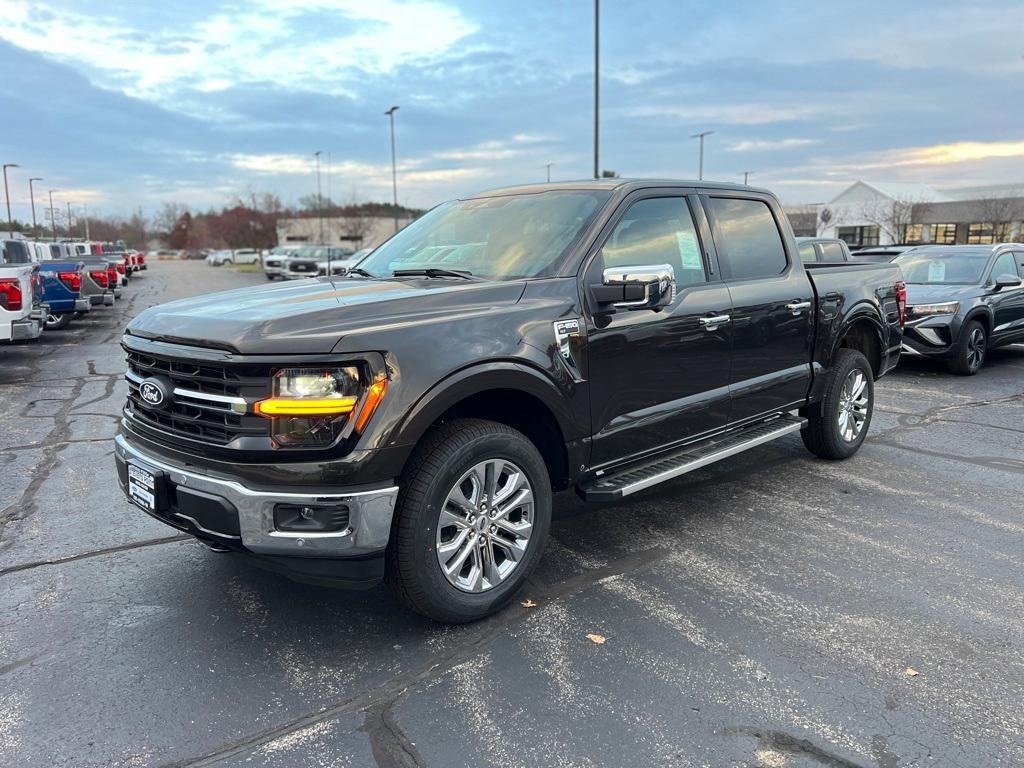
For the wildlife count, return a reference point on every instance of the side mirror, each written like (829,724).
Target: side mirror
(1007,281)
(641,287)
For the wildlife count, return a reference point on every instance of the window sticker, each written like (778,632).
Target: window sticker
(689,251)
(936,272)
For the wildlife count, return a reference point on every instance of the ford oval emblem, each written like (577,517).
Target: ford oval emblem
(155,392)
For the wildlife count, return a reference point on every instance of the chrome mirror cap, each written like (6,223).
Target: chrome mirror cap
(656,281)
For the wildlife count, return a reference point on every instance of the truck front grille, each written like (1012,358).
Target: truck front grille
(206,401)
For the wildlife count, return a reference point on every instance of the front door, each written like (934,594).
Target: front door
(658,378)
(772,306)
(1008,303)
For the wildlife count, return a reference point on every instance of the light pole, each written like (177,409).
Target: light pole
(700,172)
(7,197)
(597,85)
(69,218)
(85,214)
(548,167)
(32,197)
(319,198)
(53,224)
(746,174)
(394,172)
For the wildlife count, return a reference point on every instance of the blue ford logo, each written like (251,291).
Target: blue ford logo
(155,392)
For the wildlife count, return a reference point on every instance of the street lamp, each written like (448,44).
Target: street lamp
(53,225)
(69,218)
(7,197)
(700,172)
(597,84)
(32,197)
(319,198)
(746,174)
(548,167)
(394,168)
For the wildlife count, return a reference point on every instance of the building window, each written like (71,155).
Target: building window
(1003,232)
(979,233)
(858,235)
(913,233)
(944,234)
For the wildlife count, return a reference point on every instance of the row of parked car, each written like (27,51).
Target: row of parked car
(47,285)
(962,300)
(291,262)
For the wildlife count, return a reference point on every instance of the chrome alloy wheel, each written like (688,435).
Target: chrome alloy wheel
(853,405)
(975,348)
(485,526)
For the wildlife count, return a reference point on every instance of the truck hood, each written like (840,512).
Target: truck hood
(312,316)
(937,294)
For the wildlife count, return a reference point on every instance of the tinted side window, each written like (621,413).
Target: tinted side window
(659,230)
(1019,255)
(747,238)
(807,253)
(1004,265)
(832,252)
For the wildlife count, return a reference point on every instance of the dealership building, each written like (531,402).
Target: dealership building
(886,213)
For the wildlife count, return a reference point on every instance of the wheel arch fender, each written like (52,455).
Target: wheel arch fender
(477,379)
(863,315)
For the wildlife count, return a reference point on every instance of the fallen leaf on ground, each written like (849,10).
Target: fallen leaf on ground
(528,603)
(911,672)
(599,639)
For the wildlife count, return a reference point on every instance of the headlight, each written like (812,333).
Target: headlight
(922,310)
(311,406)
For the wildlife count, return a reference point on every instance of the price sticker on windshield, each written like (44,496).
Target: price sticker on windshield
(936,272)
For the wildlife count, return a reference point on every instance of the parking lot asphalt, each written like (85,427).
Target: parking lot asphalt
(767,611)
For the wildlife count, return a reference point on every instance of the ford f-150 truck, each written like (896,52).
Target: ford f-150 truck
(21,312)
(411,420)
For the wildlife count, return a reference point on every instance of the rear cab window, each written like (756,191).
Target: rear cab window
(832,252)
(808,254)
(747,238)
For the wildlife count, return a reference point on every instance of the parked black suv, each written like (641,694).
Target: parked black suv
(412,419)
(962,301)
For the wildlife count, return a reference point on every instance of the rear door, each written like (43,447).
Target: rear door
(772,304)
(658,378)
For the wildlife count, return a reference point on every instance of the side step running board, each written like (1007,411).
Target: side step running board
(638,477)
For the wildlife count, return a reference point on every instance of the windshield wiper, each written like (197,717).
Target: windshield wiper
(465,274)
(358,271)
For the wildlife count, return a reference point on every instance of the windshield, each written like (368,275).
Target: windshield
(311,252)
(500,238)
(942,267)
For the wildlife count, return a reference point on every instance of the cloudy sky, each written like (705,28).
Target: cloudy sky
(120,103)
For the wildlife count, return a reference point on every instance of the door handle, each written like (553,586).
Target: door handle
(712,322)
(797,307)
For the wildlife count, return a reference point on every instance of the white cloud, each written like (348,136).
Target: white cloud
(762,145)
(254,43)
(734,114)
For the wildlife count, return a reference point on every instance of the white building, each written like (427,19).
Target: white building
(884,213)
(352,231)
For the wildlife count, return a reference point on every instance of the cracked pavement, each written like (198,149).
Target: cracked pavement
(760,612)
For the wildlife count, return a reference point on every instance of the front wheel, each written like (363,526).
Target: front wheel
(57,322)
(838,426)
(471,522)
(969,351)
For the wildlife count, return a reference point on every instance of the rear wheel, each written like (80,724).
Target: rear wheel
(471,522)
(57,322)
(839,425)
(970,350)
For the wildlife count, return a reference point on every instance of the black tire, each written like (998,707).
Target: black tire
(270,277)
(58,322)
(969,350)
(444,455)
(823,435)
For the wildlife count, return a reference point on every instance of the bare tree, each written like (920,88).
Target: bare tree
(892,216)
(168,216)
(1001,211)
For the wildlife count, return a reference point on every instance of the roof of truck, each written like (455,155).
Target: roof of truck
(618,185)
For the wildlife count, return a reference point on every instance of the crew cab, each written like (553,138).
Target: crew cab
(61,286)
(21,311)
(411,420)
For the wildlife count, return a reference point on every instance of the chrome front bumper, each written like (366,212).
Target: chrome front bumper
(370,512)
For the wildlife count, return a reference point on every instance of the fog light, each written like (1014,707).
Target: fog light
(311,518)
